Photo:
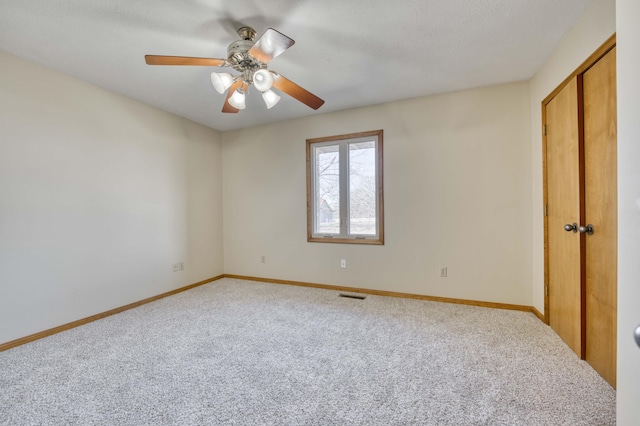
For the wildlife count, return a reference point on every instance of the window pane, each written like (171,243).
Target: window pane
(327,189)
(362,188)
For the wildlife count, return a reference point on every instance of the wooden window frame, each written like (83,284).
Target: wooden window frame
(349,239)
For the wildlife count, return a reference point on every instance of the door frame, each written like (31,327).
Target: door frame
(609,44)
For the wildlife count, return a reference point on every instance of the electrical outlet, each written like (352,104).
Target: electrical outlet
(443,272)
(343,263)
(176,267)
(263,259)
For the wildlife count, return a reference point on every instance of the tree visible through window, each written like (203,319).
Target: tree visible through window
(344,188)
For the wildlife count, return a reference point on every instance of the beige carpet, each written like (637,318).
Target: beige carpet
(238,352)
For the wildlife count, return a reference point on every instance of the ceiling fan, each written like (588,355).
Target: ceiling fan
(250,58)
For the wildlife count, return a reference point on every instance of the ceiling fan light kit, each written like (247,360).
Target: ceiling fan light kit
(271,98)
(263,80)
(237,99)
(250,58)
(221,81)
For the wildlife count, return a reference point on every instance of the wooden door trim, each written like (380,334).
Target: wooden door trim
(609,44)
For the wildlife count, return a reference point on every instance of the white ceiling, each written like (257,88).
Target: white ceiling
(351,53)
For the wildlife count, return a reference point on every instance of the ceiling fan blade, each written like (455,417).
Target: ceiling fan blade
(183,60)
(271,44)
(292,89)
(227,107)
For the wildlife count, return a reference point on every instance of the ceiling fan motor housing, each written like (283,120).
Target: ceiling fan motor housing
(237,54)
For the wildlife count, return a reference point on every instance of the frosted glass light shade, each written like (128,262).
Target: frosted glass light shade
(263,80)
(237,99)
(270,98)
(221,81)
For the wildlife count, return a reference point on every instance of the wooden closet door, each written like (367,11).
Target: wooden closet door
(563,200)
(600,148)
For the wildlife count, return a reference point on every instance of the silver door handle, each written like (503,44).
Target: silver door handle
(573,227)
(637,335)
(586,229)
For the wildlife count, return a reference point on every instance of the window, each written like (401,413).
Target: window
(344,189)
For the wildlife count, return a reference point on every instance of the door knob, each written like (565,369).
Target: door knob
(586,229)
(573,227)
(637,335)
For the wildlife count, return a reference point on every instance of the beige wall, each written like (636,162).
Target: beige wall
(595,26)
(99,195)
(628,56)
(457,184)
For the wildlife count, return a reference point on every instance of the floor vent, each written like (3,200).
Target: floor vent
(353,296)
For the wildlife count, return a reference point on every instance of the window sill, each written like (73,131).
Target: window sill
(365,241)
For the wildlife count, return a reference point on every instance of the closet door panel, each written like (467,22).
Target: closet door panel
(563,199)
(600,148)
